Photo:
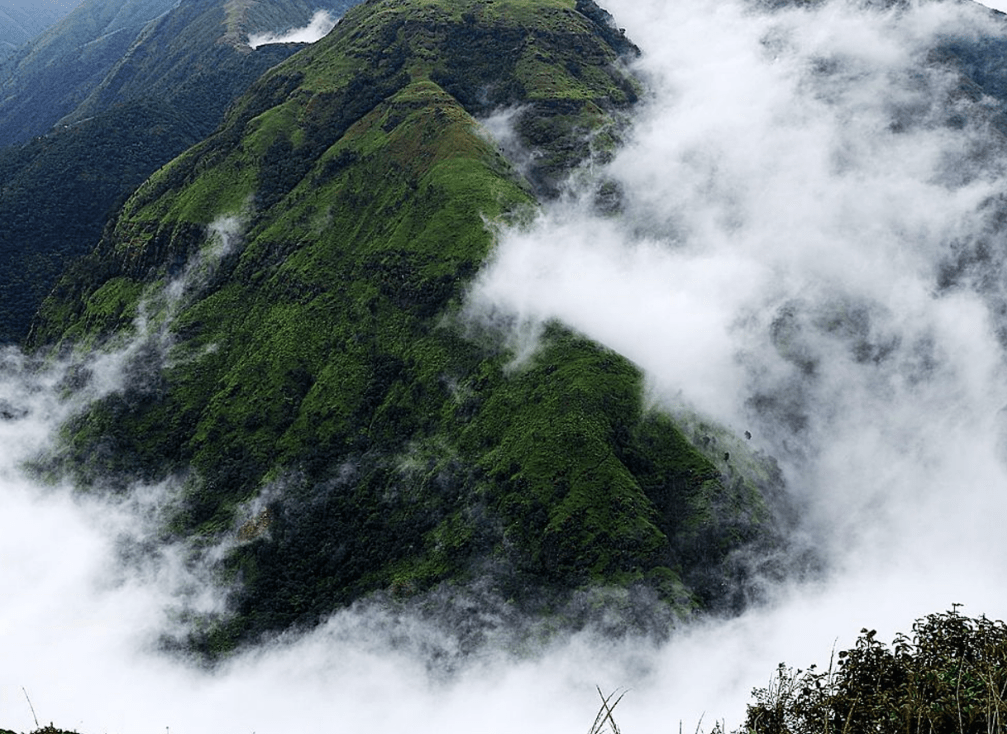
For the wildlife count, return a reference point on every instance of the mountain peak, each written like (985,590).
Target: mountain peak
(316,360)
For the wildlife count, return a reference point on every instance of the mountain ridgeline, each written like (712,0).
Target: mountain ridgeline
(97,104)
(288,293)
(20,22)
(107,53)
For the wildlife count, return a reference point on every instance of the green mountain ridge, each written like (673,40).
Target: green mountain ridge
(167,91)
(106,53)
(302,369)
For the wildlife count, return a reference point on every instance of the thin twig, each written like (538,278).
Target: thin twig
(31,707)
(610,709)
(700,722)
(605,713)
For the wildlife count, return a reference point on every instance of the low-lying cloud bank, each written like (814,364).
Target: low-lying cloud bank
(321,23)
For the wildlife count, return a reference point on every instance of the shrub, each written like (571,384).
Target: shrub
(950,675)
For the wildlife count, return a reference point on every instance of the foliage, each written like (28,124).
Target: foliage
(58,192)
(949,675)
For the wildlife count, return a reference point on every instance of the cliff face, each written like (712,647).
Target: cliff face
(291,287)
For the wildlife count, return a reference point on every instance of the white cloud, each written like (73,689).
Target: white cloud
(996,5)
(321,23)
(792,194)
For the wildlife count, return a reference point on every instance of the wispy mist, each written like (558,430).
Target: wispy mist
(794,190)
(321,23)
(809,203)
(807,249)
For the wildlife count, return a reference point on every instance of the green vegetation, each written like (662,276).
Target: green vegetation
(948,675)
(310,384)
(112,52)
(39,83)
(59,190)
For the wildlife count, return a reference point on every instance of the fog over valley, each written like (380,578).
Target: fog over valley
(800,243)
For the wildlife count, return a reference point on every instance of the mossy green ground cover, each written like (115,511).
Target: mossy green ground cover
(320,363)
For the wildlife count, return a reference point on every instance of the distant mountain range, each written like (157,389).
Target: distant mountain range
(21,20)
(106,53)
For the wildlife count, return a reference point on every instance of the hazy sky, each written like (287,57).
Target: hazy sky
(792,194)
(1000,5)
(64,4)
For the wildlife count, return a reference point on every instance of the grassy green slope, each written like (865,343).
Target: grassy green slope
(312,380)
(167,92)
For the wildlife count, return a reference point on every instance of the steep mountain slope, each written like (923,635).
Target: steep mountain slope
(290,289)
(166,91)
(107,53)
(57,192)
(22,21)
(47,78)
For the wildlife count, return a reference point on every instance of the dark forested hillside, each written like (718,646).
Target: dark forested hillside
(106,53)
(302,368)
(129,112)
(58,191)
(45,79)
